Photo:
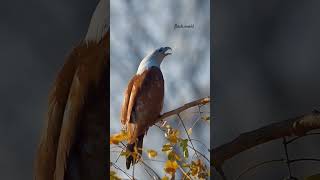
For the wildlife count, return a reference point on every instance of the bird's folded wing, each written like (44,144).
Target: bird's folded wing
(136,84)
(45,161)
(124,108)
(72,114)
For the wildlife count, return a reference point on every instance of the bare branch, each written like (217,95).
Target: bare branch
(198,102)
(297,126)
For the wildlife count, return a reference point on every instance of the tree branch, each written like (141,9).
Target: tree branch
(198,102)
(297,126)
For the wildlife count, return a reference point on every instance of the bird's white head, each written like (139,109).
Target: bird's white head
(154,59)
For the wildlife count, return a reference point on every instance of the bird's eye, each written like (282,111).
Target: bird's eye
(160,50)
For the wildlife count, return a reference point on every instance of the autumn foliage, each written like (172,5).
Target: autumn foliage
(176,149)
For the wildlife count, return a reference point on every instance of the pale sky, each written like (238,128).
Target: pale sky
(138,27)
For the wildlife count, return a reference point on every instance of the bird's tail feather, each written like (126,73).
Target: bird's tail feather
(131,148)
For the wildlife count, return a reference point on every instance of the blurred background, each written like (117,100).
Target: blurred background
(36,36)
(139,27)
(266,69)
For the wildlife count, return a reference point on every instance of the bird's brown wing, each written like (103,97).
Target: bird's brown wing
(125,104)
(81,72)
(67,98)
(45,160)
(87,79)
(72,113)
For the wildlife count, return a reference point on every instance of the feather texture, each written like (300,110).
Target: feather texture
(77,117)
(142,106)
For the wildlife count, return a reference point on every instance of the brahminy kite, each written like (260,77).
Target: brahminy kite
(74,141)
(143,101)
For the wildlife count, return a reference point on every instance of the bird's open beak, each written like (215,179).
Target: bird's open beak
(165,51)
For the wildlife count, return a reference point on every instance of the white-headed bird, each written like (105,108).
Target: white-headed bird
(143,101)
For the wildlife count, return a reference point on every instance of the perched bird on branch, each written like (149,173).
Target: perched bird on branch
(74,141)
(143,101)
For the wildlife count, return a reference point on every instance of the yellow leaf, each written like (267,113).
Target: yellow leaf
(166,147)
(172,135)
(116,138)
(190,131)
(152,153)
(197,168)
(185,165)
(194,168)
(113,176)
(114,141)
(173,156)
(177,157)
(206,118)
(165,178)
(170,166)
(125,153)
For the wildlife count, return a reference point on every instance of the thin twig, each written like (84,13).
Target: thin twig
(183,172)
(198,118)
(190,147)
(147,172)
(115,151)
(187,134)
(118,156)
(287,156)
(304,159)
(155,160)
(258,165)
(145,164)
(117,167)
(133,171)
(296,138)
(199,153)
(277,160)
(201,143)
